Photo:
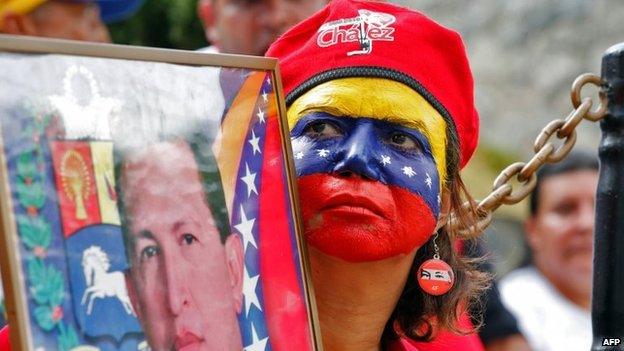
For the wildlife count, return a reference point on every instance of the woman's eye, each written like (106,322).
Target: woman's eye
(404,141)
(188,239)
(322,130)
(149,252)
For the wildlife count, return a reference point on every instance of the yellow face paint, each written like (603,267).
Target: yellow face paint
(381,99)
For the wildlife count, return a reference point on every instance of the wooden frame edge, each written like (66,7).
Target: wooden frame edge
(10,263)
(22,44)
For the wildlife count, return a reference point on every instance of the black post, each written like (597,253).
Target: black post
(608,289)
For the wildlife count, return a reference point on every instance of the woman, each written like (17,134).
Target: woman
(382,117)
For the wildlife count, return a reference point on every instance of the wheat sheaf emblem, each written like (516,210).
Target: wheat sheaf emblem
(75,181)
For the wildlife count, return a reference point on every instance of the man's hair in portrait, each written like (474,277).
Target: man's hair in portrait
(210,179)
(578,160)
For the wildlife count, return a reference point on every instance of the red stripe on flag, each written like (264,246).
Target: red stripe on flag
(284,301)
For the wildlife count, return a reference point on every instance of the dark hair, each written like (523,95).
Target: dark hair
(209,177)
(418,315)
(577,160)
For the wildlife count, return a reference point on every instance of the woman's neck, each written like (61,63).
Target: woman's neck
(355,300)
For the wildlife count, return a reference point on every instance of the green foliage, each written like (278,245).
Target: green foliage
(47,286)
(30,195)
(43,316)
(67,338)
(29,187)
(35,232)
(26,168)
(162,23)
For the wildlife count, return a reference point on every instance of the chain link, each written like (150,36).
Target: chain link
(545,152)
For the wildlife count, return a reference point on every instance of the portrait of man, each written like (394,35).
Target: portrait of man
(186,275)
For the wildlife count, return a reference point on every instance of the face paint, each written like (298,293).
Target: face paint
(369,189)
(379,99)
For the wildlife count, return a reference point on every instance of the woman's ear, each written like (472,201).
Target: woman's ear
(445,208)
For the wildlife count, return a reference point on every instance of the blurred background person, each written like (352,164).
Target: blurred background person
(76,20)
(552,297)
(249,27)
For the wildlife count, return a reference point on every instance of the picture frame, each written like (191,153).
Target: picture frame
(143,190)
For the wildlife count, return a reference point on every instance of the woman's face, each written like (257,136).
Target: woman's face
(368,169)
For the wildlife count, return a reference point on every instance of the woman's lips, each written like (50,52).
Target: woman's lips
(187,341)
(353,204)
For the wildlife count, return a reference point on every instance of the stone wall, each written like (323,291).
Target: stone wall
(525,55)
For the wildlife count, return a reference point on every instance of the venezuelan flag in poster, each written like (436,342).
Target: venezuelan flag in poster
(251,161)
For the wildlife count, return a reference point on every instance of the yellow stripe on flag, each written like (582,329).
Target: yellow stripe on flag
(102,153)
(228,145)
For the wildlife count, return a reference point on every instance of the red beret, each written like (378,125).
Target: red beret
(357,38)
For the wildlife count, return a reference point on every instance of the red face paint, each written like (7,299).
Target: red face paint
(362,220)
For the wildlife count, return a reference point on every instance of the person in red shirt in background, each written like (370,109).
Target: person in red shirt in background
(382,117)
(75,20)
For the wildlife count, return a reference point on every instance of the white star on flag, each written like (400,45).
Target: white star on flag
(255,142)
(265,96)
(323,152)
(268,81)
(428,181)
(249,291)
(260,115)
(245,227)
(256,345)
(439,200)
(250,181)
(299,155)
(408,171)
(385,160)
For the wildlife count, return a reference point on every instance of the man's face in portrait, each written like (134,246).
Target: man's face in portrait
(560,233)
(185,279)
(370,157)
(250,26)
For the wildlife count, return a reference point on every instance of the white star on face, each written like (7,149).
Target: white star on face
(408,171)
(249,291)
(245,227)
(265,96)
(428,181)
(256,345)
(299,155)
(323,152)
(260,115)
(250,181)
(385,160)
(255,142)
(439,200)
(268,80)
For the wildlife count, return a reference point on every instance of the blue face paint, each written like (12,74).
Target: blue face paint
(390,153)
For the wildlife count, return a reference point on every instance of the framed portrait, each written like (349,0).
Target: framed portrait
(148,201)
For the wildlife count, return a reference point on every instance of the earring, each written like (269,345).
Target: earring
(434,275)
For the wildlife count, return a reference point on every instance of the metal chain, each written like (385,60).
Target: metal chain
(545,151)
